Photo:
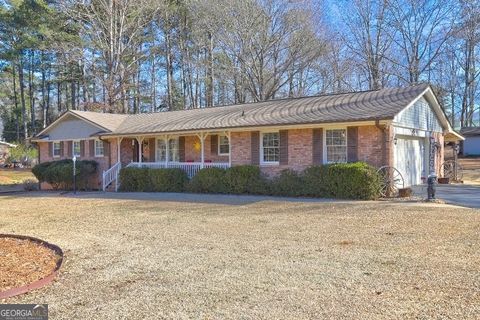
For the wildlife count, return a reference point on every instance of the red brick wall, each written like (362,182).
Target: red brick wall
(103,162)
(241,148)
(371,146)
(300,152)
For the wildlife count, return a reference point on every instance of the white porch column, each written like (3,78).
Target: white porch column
(202,137)
(228,134)
(167,150)
(140,141)
(119,144)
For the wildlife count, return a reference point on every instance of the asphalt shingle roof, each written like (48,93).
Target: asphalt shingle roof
(108,121)
(347,107)
(357,106)
(470,131)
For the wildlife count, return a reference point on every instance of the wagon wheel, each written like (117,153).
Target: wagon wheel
(391,181)
(448,170)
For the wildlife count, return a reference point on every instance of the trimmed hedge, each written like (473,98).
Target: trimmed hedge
(153,180)
(346,181)
(288,183)
(209,180)
(246,179)
(59,174)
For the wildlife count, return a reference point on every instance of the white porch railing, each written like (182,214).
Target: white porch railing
(191,168)
(111,175)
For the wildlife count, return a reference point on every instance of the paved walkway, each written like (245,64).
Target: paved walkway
(459,194)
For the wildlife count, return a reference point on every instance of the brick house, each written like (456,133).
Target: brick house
(399,127)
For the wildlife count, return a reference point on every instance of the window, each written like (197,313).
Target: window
(99,152)
(336,141)
(76,149)
(270,147)
(173,154)
(56,149)
(223,145)
(161,150)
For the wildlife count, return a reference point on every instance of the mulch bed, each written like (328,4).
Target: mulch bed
(24,261)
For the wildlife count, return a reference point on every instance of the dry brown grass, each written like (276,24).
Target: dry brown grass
(267,260)
(471,176)
(15,176)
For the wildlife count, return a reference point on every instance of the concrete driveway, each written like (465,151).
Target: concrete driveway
(459,194)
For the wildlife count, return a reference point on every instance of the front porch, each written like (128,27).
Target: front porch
(190,153)
(191,168)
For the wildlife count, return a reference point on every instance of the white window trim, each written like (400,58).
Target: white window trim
(325,151)
(165,141)
(218,145)
(53,149)
(95,149)
(73,148)
(167,148)
(267,163)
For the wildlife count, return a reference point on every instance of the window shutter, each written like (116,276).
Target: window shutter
(151,147)
(317,141)
(62,148)
(69,149)
(214,144)
(181,149)
(255,147)
(91,144)
(50,149)
(283,134)
(82,148)
(352,144)
(106,148)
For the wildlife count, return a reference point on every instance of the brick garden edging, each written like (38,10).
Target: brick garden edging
(39,283)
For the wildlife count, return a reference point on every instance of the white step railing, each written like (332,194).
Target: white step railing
(111,175)
(191,168)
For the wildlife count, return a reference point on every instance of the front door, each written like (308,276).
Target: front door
(135,151)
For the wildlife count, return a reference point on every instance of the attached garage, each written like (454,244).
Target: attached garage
(418,139)
(410,158)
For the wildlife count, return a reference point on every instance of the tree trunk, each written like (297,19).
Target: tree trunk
(209,83)
(30,91)
(22,99)
(15,101)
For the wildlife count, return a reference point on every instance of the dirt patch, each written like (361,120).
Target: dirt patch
(23,262)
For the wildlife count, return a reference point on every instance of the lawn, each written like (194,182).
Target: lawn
(260,260)
(14,176)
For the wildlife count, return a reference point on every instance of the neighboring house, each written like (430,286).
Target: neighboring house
(5,151)
(471,145)
(400,127)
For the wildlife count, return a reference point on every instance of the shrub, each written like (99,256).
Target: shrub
(23,154)
(134,179)
(155,180)
(59,174)
(314,184)
(209,180)
(346,180)
(246,179)
(167,180)
(288,183)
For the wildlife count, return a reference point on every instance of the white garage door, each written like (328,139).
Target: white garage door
(410,159)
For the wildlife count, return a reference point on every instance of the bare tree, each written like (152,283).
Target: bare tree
(369,36)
